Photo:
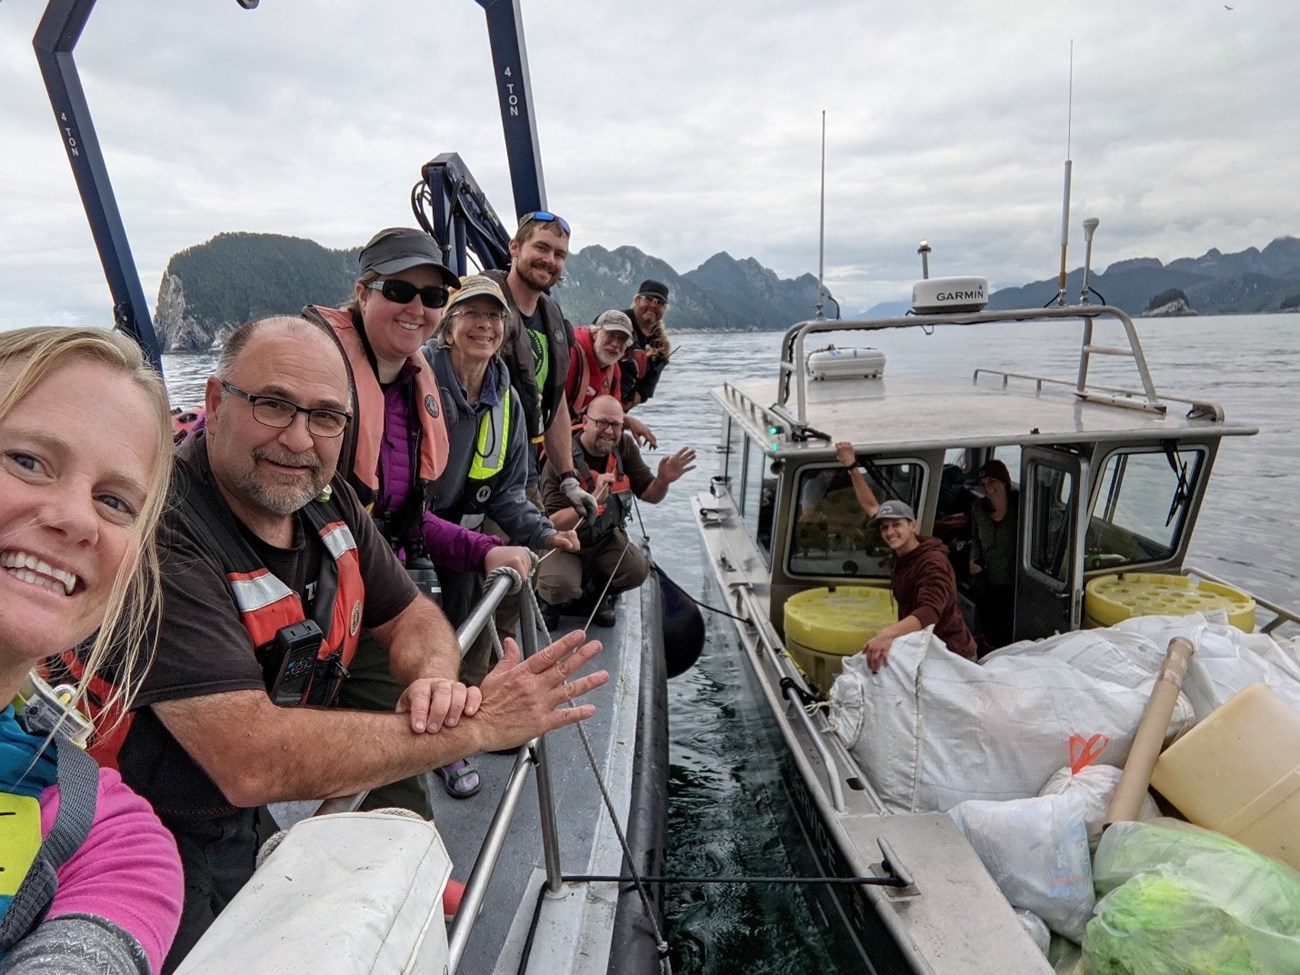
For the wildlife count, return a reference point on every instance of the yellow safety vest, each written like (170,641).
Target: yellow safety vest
(490,456)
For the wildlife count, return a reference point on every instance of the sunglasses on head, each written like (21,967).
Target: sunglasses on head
(403,292)
(544,216)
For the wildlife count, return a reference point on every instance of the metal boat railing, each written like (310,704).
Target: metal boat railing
(793,355)
(1200,409)
(1281,614)
(500,583)
(775,652)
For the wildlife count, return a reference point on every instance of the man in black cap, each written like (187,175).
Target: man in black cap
(648,354)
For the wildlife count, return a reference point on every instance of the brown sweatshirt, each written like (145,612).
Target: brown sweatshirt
(925,587)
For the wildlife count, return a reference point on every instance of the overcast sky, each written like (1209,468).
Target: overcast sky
(682,128)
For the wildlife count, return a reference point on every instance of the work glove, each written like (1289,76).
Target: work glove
(580,499)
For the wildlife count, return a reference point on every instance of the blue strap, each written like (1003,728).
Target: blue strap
(78,780)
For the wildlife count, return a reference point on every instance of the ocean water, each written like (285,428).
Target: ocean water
(726,810)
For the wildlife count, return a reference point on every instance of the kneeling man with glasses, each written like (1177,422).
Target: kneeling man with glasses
(607,464)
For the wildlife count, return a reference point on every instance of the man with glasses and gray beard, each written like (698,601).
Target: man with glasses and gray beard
(610,468)
(271,568)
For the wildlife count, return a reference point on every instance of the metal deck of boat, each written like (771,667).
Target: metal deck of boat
(570,931)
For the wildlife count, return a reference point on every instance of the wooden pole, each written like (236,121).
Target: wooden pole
(1151,731)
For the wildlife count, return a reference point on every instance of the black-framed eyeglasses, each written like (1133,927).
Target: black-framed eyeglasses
(401,292)
(544,216)
(274,412)
(606,424)
(653,299)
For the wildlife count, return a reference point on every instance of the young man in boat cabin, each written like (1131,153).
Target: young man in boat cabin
(595,370)
(923,581)
(271,568)
(648,354)
(538,344)
(611,468)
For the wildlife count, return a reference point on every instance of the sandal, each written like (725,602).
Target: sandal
(460,779)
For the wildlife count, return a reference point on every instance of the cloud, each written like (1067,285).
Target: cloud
(683,129)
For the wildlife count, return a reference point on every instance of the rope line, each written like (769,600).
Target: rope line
(712,609)
(661,943)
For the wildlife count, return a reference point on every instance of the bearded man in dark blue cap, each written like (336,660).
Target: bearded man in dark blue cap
(648,352)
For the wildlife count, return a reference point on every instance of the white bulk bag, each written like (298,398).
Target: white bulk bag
(343,894)
(1096,784)
(933,729)
(1227,660)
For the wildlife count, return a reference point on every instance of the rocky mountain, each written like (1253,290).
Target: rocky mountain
(722,293)
(1213,284)
(209,289)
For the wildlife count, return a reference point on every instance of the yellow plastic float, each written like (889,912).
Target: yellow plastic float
(823,626)
(1109,599)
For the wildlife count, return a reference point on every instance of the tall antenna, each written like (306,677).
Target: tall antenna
(1065,204)
(821,229)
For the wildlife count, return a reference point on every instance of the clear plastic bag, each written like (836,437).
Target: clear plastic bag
(1185,901)
(1036,851)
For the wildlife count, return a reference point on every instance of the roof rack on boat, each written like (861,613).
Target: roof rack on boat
(793,358)
(1126,398)
(774,419)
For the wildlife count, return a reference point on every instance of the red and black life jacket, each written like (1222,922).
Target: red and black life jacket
(617,507)
(266,605)
(587,377)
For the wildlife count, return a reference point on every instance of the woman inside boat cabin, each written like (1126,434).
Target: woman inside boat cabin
(90,881)
(921,575)
(993,554)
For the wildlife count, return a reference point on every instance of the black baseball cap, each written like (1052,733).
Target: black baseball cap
(653,289)
(400,249)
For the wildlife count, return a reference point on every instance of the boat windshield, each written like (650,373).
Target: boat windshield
(832,534)
(1141,505)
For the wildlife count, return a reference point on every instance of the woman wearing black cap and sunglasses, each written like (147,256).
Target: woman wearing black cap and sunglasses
(395,449)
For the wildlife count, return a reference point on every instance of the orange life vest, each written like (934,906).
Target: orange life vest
(617,506)
(367,433)
(581,387)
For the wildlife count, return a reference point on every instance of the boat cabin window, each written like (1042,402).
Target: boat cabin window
(757,494)
(1050,493)
(1141,505)
(732,458)
(832,535)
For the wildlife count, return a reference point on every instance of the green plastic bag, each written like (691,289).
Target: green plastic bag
(1180,900)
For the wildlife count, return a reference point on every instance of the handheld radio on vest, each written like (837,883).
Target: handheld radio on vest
(290,662)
